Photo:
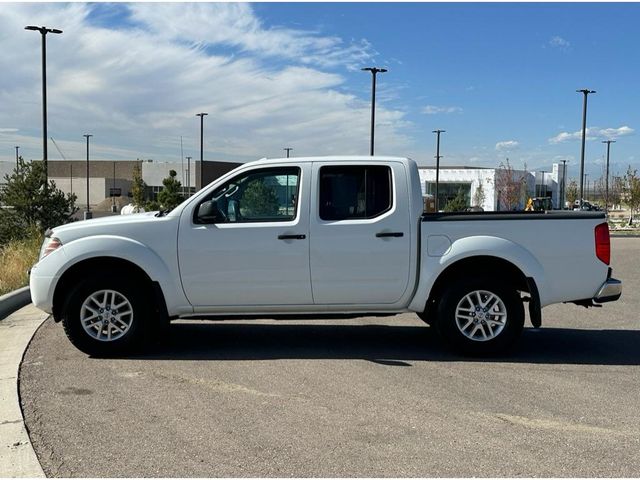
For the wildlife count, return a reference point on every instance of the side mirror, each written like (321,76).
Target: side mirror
(209,212)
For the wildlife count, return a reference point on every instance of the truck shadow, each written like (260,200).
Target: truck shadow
(388,345)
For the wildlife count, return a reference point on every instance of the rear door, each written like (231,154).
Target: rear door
(360,240)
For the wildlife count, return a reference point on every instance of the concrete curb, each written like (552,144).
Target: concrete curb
(17,458)
(12,301)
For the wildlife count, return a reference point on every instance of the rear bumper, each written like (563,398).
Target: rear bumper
(610,291)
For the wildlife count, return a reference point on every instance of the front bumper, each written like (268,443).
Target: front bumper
(610,291)
(42,288)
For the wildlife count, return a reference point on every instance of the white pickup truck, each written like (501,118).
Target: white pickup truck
(320,236)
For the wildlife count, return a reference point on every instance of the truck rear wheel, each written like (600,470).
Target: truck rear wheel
(480,316)
(105,316)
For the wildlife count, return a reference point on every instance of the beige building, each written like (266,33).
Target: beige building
(109,179)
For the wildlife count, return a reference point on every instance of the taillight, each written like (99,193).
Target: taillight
(603,243)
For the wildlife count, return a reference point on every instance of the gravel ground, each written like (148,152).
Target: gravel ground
(366,397)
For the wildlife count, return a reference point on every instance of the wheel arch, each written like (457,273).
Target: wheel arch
(89,266)
(509,272)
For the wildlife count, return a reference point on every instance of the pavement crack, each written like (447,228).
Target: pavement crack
(9,422)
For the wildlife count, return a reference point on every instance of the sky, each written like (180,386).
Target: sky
(499,78)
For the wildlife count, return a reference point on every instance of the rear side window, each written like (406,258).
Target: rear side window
(354,191)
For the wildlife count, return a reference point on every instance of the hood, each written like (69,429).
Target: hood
(105,225)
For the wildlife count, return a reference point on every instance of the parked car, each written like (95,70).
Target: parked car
(354,242)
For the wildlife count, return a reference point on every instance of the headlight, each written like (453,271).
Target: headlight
(50,244)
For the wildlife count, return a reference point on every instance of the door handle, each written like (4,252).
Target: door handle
(389,234)
(291,237)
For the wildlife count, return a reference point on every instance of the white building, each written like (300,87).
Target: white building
(484,187)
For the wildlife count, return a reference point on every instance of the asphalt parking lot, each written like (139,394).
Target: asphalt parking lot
(367,397)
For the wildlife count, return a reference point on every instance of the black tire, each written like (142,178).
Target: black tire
(503,323)
(132,325)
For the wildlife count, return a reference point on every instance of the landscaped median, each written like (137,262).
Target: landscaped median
(16,258)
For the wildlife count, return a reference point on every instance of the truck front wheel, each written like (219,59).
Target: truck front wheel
(105,317)
(480,316)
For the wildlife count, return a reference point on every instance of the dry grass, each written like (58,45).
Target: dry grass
(16,258)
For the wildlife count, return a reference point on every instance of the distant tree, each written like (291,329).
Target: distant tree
(138,188)
(479,196)
(615,191)
(572,192)
(259,199)
(27,201)
(170,196)
(458,203)
(151,206)
(600,189)
(632,192)
(510,186)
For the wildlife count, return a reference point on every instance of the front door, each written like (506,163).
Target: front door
(247,242)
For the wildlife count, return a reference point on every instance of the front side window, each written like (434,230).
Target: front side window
(354,192)
(265,195)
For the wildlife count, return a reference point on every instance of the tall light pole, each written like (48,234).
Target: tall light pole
(564,184)
(201,115)
(87,213)
(374,71)
(586,93)
(43,32)
(189,176)
(17,148)
(437,132)
(287,149)
(606,178)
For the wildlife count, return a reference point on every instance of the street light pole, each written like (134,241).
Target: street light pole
(201,115)
(564,183)
(287,149)
(87,213)
(374,71)
(606,178)
(43,32)
(17,148)
(585,92)
(437,132)
(189,176)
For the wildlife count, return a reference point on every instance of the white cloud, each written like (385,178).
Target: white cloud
(593,133)
(434,110)
(507,145)
(8,130)
(559,42)
(236,25)
(137,88)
